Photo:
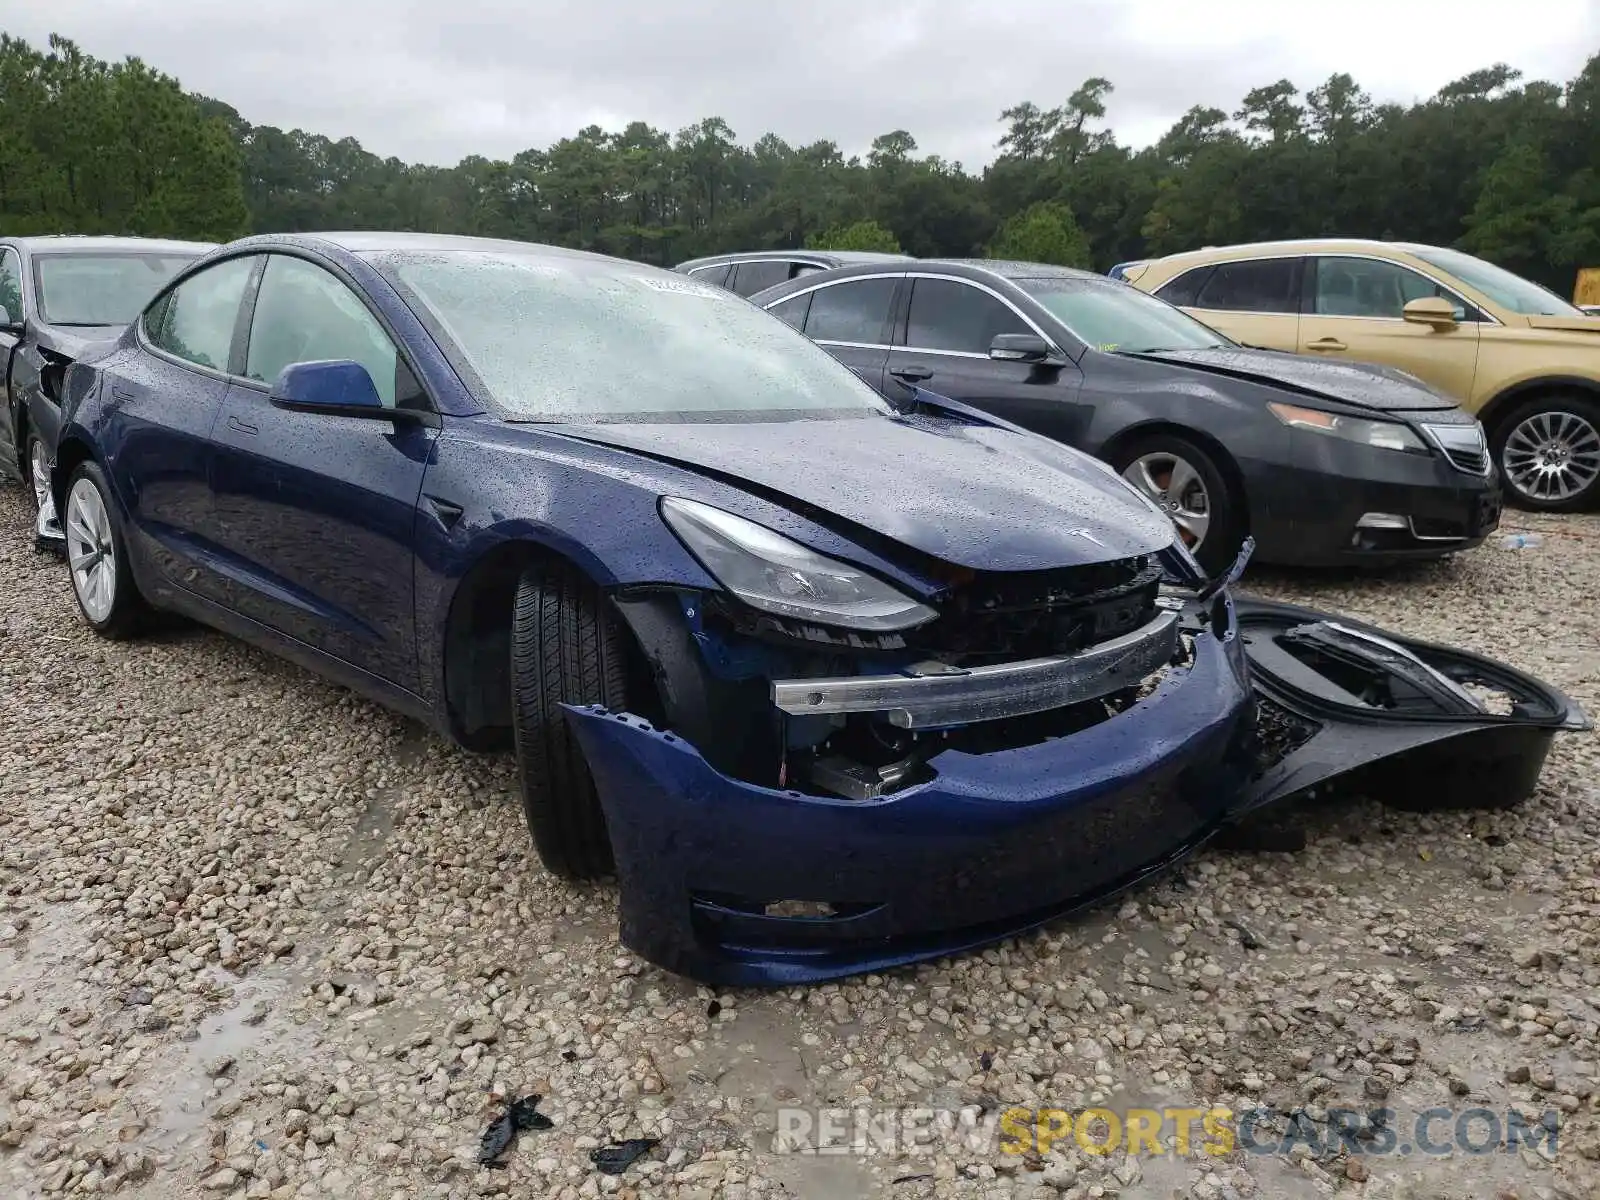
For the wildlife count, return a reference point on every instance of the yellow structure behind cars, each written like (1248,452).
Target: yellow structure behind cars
(1517,355)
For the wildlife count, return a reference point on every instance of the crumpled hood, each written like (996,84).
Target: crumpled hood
(1368,385)
(973,495)
(72,340)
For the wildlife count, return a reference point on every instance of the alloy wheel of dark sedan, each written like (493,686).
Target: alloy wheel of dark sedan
(38,472)
(1189,487)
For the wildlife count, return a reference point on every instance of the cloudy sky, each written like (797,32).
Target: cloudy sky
(434,81)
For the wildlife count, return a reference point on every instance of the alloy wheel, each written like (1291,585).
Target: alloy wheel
(1552,456)
(1178,489)
(91,552)
(38,473)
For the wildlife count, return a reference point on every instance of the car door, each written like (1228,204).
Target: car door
(1354,309)
(314,511)
(1255,301)
(10,337)
(943,345)
(849,318)
(158,402)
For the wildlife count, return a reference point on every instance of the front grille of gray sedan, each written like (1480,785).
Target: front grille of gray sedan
(1464,445)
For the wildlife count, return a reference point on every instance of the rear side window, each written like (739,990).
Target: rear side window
(946,315)
(752,277)
(1264,285)
(794,309)
(717,274)
(196,321)
(11,284)
(855,311)
(1183,290)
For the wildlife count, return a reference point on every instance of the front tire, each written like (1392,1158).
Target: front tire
(1548,453)
(1190,487)
(566,647)
(97,558)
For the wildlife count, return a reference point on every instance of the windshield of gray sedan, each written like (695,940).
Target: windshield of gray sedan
(1500,285)
(1117,318)
(100,289)
(567,339)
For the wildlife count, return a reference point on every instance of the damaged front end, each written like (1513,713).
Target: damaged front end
(808,802)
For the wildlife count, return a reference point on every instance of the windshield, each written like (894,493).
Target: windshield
(557,338)
(1118,317)
(1500,285)
(100,289)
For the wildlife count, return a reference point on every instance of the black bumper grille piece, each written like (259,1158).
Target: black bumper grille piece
(1000,617)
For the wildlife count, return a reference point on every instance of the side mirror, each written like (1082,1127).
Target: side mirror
(338,387)
(1024,348)
(1431,310)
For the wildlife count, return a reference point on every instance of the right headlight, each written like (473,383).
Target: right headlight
(1385,435)
(774,573)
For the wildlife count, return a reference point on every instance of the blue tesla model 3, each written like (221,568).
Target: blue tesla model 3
(828,684)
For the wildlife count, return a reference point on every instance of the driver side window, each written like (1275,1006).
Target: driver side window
(1370,287)
(306,314)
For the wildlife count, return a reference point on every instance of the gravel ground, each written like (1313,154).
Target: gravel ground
(261,938)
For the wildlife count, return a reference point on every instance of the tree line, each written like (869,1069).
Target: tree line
(1503,167)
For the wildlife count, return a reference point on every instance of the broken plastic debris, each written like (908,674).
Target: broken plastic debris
(614,1160)
(1519,541)
(502,1131)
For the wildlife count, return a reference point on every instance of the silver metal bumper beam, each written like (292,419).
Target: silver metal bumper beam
(937,695)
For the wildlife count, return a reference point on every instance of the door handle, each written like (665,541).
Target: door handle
(118,393)
(911,374)
(1327,343)
(239,426)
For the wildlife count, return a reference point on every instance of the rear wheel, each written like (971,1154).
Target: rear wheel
(97,558)
(1189,486)
(566,647)
(1548,453)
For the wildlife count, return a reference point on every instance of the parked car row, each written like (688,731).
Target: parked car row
(1321,463)
(1521,360)
(831,681)
(1524,361)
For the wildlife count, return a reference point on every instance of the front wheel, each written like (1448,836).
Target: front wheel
(45,526)
(567,646)
(1187,483)
(97,558)
(1548,453)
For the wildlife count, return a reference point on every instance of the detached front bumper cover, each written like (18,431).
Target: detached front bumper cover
(738,884)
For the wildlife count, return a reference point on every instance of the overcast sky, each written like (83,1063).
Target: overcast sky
(436,80)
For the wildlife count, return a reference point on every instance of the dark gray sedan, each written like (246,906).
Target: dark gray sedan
(1322,463)
(58,295)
